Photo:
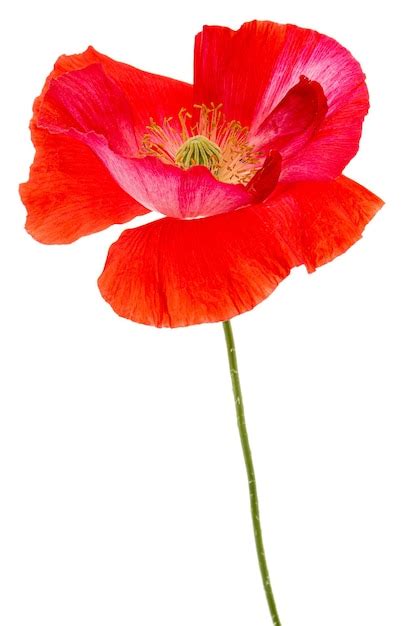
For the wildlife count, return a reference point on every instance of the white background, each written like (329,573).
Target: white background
(123,496)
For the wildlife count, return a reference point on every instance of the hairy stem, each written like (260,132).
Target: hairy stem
(250,471)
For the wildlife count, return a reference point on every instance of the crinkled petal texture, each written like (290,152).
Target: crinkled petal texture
(303,98)
(93,108)
(174,272)
(253,70)
(148,95)
(70,193)
(329,217)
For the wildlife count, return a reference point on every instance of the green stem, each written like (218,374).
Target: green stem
(240,414)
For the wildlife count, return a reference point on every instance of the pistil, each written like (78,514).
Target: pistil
(199,150)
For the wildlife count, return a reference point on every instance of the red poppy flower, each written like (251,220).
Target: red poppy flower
(254,149)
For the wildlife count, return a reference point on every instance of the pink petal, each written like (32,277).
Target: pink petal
(251,71)
(149,95)
(89,106)
(88,100)
(169,189)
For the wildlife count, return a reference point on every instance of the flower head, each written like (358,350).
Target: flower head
(255,148)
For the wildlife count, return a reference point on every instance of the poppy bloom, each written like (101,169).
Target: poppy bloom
(254,149)
(244,168)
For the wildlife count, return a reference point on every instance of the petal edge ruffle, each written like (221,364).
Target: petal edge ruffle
(171,273)
(70,193)
(177,273)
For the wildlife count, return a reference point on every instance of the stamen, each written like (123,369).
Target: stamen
(211,141)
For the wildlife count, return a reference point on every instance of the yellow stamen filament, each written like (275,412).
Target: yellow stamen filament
(211,141)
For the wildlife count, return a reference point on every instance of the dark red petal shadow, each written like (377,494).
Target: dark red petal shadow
(265,180)
(176,273)
(294,120)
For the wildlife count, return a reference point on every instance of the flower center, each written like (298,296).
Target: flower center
(204,139)
(198,150)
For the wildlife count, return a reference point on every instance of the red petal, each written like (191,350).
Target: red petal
(176,273)
(149,95)
(88,106)
(235,68)
(70,193)
(329,217)
(181,272)
(251,70)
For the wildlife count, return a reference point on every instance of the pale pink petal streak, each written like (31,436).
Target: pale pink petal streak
(252,70)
